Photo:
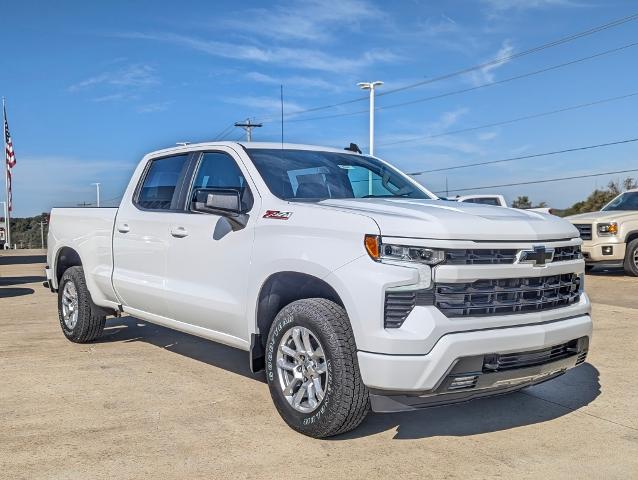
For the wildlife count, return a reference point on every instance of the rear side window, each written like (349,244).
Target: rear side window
(160,183)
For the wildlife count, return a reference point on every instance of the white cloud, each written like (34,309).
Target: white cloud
(505,5)
(486,136)
(265,104)
(153,107)
(312,20)
(287,56)
(131,76)
(486,74)
(295,82)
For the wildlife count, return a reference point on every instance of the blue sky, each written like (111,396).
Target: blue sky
(92,86)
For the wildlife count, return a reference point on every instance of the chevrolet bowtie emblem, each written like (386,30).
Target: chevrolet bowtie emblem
(539,256)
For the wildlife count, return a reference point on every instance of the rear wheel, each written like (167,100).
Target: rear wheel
(81,320)
(312,369)
(631,258)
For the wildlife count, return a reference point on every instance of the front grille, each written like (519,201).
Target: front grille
(562,254)
(506,296)
(498,362)
(502,256)
(584,229)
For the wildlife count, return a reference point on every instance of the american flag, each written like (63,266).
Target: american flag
(10,157)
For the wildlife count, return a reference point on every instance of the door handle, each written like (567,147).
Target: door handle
(179,232)
(123,228)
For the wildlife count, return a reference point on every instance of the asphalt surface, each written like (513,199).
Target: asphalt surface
(148,402)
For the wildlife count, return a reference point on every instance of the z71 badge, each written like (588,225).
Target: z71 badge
(276,214)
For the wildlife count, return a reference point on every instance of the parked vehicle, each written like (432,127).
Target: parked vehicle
(349,282)
(496,200)
(610,236)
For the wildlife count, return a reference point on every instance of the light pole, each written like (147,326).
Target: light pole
(97,186)
(371,86)
(6,221)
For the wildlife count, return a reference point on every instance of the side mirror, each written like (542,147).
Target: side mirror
(220,201)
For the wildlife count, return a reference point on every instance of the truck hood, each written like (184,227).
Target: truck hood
(439,219)
(602,216)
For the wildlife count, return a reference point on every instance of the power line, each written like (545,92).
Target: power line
(512,120)
(547,180)
(507,58)
(496,61)
(476,87)
(524,157)
(224,132)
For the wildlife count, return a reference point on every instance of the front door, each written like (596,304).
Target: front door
(208,258)
(141,236)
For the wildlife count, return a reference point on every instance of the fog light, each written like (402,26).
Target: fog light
(468,381)
(608,250)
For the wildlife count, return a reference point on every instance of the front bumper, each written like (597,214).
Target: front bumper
(603,250)
(421,379)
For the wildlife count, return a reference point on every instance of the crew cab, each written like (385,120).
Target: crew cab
(610,236)
(346,280)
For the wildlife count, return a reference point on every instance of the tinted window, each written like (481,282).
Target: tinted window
(161,180)
(626,201)
(219,170)
(314,175)
(483,201)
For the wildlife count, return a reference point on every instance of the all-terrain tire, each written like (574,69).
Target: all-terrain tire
(90,318)
(631,266)
(346,402)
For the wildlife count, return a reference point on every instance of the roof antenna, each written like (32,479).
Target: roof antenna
(281,91)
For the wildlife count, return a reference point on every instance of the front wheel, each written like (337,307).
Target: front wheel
(312,369)
(631,258)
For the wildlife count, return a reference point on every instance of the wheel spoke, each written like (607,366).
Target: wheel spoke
(291,387)
(321,368)
(312,399)
(288,351)
(296,401)
(318,389)
(296,337)
(306,342)
(318,353)
(282,363)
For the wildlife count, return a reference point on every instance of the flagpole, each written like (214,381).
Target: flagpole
(7,218)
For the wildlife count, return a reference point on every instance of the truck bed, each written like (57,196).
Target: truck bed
(88,231)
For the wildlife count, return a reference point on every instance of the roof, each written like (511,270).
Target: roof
(248,145)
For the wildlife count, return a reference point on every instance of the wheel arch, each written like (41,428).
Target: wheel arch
(631,236)
(65,258)
(277,291)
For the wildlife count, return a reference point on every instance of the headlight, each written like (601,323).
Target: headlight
(386,251)
(606,229)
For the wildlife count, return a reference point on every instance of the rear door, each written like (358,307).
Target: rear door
(208,260)
(141,235)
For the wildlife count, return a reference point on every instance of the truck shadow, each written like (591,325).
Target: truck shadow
(540,403)
(22,259)
(129,329)
(6,281)
(15,292)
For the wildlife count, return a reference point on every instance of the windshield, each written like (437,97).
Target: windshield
(313,175)
(626,201)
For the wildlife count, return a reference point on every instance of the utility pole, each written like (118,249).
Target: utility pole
(97,186)
(248,126)
(42,234)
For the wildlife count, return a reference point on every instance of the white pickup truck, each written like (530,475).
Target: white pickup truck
(350,283)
